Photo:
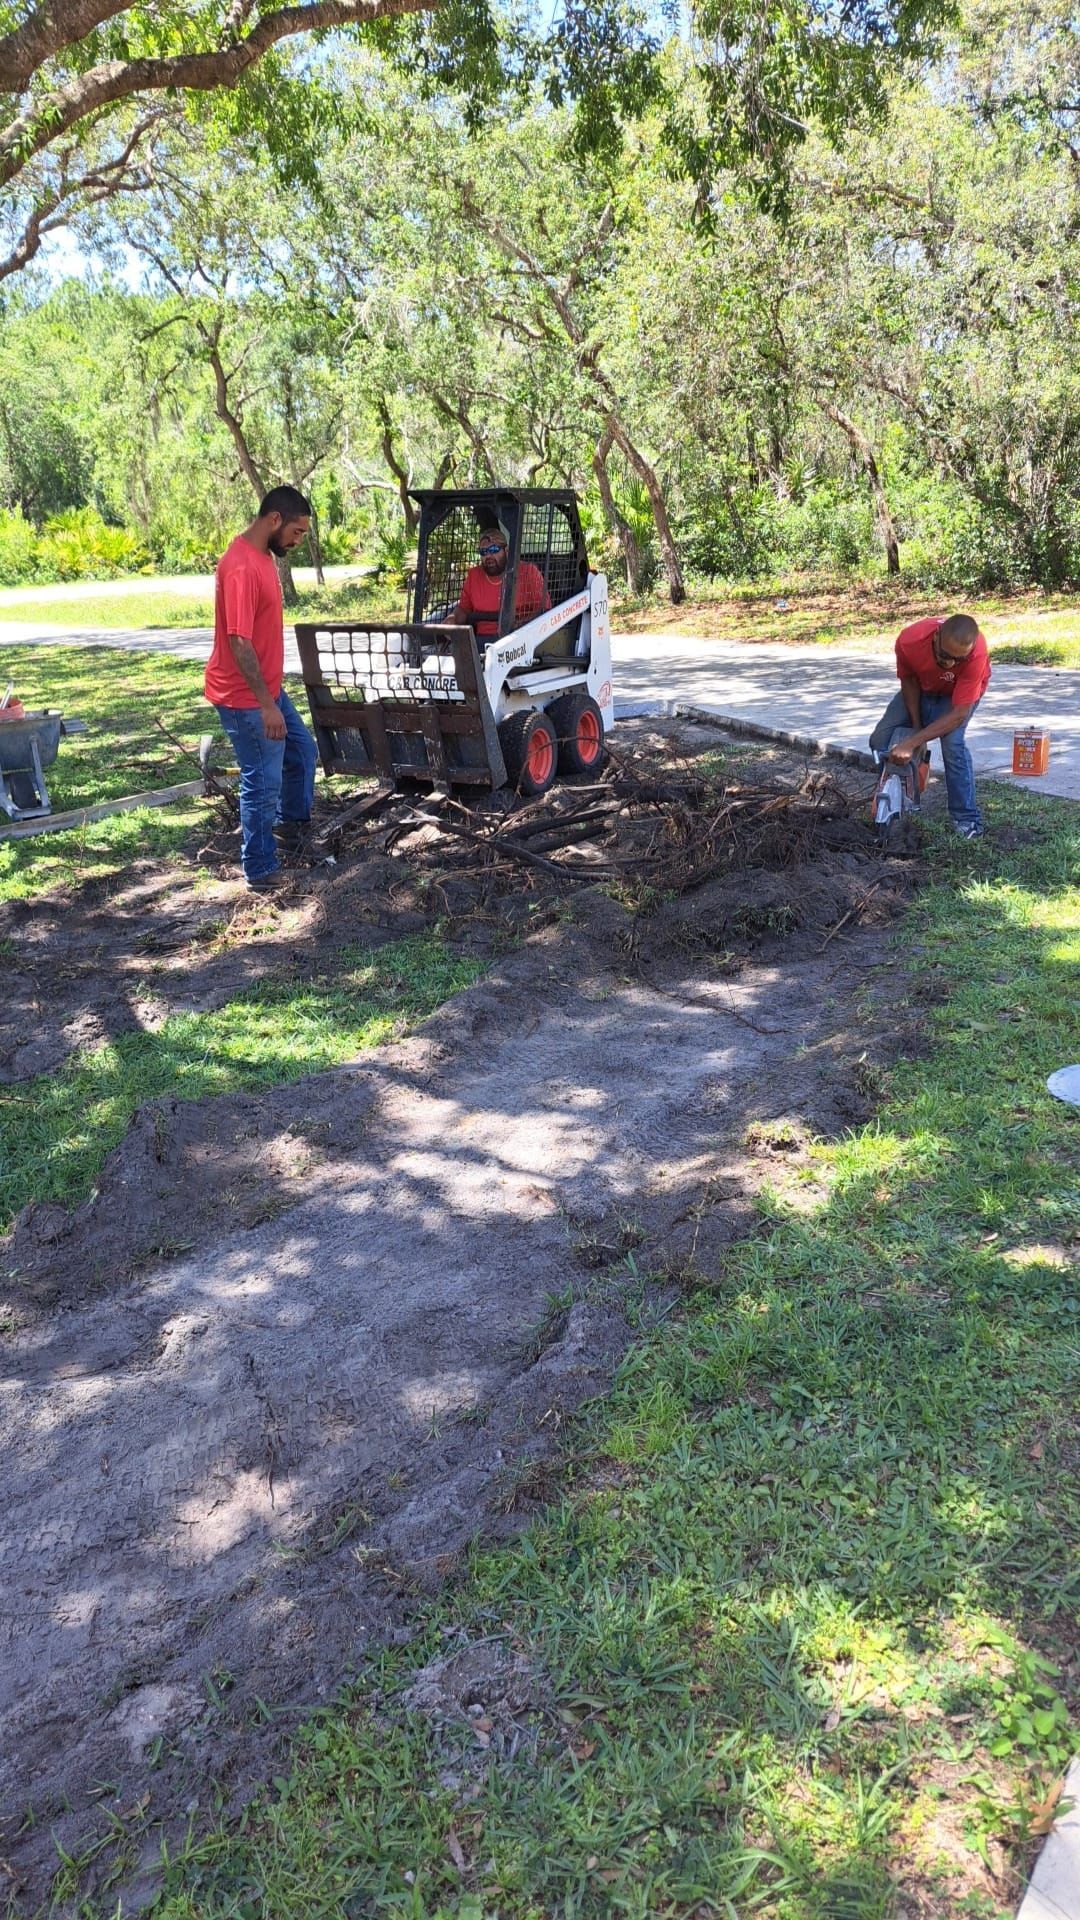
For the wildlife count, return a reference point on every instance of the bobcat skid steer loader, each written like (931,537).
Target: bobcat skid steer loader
(516,696)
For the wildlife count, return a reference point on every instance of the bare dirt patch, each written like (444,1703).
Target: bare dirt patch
(228,1474)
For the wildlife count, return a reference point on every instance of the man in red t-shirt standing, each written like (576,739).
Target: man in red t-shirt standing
(481,596)
(944,669)
(274,750)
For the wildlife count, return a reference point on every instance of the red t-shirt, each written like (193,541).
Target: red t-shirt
(482,595)
(247,602)
(915,655)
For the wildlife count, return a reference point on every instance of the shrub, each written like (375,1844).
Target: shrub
(18,549)
(950,540)
(339,545)
(749,532)
(78,545)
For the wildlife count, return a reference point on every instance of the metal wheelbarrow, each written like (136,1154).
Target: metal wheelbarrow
(27,746)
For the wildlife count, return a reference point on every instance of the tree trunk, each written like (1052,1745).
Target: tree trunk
(479,458)
(288,585)
(669,552)
(412,519)
(233,422)
(864,454)
(588,362)
(315,549)
(247,460)
(632,556)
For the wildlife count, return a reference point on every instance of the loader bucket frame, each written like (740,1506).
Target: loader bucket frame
(400,703)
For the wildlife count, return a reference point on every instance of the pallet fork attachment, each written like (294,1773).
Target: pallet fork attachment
(401,703)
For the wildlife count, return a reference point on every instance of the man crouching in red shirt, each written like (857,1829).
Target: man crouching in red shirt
(274,750)
(944,669)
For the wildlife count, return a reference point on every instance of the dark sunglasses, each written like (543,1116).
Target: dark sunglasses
(498,546)
(949,659)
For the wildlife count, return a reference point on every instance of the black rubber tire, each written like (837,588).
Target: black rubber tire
(516,737)
(565,716)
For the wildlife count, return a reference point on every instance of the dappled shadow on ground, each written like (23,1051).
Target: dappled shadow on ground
(759,1657)
(863,1444)
(124,977)
(238,1466)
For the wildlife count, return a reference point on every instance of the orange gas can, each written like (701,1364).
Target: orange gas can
(1031,750)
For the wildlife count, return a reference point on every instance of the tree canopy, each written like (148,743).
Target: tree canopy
(885,373)
(88,86)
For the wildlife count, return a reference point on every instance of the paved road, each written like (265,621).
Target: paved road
(832,694)
(184,585)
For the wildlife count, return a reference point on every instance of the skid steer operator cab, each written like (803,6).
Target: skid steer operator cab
(546,563)
(515,689)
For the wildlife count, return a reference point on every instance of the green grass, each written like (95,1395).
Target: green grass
(158,607)
(100,852)
(1022,629)
(802,1605)
(100,611)
(55,1131)
(120,696)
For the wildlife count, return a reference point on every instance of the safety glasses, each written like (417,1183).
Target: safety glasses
(948,659)
(495,547)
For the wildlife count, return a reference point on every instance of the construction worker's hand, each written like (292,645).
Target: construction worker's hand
(902,753)
(273,722)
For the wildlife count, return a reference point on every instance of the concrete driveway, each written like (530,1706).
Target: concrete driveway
(831,695)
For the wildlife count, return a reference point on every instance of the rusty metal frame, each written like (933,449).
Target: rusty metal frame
(363,729)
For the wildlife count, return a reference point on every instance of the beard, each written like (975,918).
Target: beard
(276,548)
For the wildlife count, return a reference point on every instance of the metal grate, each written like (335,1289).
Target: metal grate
(547,540)
(384,664)
(451,551)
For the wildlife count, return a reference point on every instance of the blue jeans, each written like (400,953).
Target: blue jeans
(959,771)
(277,780)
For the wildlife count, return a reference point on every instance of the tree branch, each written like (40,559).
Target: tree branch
(43,33)
(99,183)
(54,113)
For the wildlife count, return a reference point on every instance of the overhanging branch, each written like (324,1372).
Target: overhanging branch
(55,113)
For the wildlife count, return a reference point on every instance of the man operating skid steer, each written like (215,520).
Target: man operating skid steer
(481,595)
(944,669)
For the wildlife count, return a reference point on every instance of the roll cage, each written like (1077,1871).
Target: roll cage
(542,527)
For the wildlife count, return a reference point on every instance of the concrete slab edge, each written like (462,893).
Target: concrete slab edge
(756,730)
(1054,1889)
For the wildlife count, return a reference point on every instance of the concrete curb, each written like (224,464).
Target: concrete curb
(84,816)
(755,730)
(1054,1889)
(752,729)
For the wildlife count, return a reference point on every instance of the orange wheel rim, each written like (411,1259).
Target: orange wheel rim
(541,756)
(588,737)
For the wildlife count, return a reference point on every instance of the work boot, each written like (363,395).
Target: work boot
(264,882)
(290,834)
